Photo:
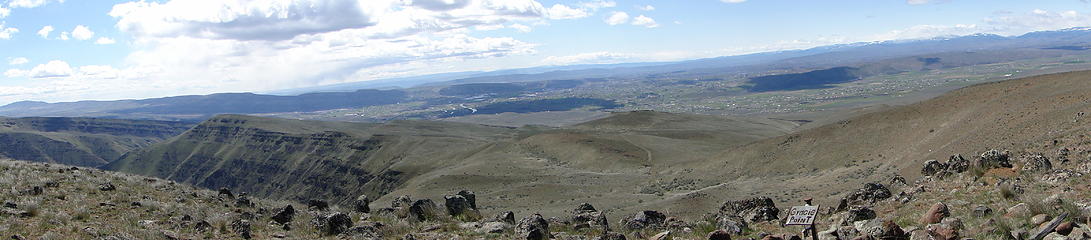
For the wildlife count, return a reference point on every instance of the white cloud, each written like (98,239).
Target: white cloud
(7,32)
(616,18)
(82,32)
(646,8)
(559,11)
(52,69)
(266,45)
(520,27)
(597,4)
(44,32)
(916,2)
(15,73)
(645,21)
(18,61)
(4,12)
(105,41)
(30,3)
(732,1)
(63,36)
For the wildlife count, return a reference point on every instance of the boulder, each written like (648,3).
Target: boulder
(857,213)
(932,167)
(423,210)
(957,164)
(585,216)
(493,227)
(942,232)
(533,227)
(898,180)
(870,193)
(1018,210)
(645,219)
(505,217)
(982,211)
(470,197)
(458,205)
(361,204)
(1065,228)
(661,236)
(284,215)
(758,209)
(1037,163)
(1039,219)
(610,236)
(935,214)
(107,187)
(244,202)
(731,224)
(225,192)
(993,159)
(719,235)
(361,232)
(202,226)
(241,227)
(319,205)
(891,230)
(333,223)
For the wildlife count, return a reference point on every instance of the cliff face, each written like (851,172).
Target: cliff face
(79,141)
(301,160)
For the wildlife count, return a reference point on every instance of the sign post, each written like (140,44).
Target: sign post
(804,216)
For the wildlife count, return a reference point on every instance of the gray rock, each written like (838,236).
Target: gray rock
(470,198)
(284,215)
(423,210)
(1037,163)
(458,205)
(982,211)
(731,224)
(505,217)
(333,223)
(645,219)
(870,193)
(932,167)
(493,227)
(533,227)
(361,204)
(994,159)
(957,164)
(241,227)
(758,209)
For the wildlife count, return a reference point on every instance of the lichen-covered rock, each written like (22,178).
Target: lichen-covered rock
(645,219)
(870,193)
(533,227)
(505,217)
(423,210)
(758,209)
(333,223)
(241,228)
(993,159)
(284,215)
(361,204)
(457,205)
(932,167)
(1037,163)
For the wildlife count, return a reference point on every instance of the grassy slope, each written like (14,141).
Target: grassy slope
(79,141)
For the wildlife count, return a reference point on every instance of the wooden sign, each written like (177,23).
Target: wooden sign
(802,215)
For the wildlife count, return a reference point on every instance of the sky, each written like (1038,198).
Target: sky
(71,50)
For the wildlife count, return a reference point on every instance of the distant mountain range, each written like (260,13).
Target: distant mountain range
(843,63)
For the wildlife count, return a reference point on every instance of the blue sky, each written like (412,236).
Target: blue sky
(106,50)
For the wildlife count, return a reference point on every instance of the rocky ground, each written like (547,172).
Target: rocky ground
(991,195)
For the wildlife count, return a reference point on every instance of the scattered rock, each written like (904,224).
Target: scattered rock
(10,205)
(225,191)
(505,217)
(870,193)
(458,205)
(1020,209)
(611,236)
(957,164)
(107,187)
(941,232)
(719,235)
(284,215)
(731,224)
(318,205)
(1037,163)
(533,227)
(493,227)
(470,197)
(935,214)
(758,209)
(202,226)
(897,179)
(333,223)
(585,216)
(1039,219)
(982,211)
(932,167)
(993,159)
(244,202)
(361,232)
(857,213)
(645,219)
(1065,228)
(241,227)
(661,236)
(361,204)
